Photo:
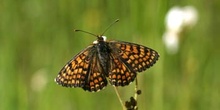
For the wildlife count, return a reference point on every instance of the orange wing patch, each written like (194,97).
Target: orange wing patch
(120,74)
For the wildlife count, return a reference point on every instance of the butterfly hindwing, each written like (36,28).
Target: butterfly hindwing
(120,74)
(96,79)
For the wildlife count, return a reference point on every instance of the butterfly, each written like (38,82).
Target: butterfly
(116,62)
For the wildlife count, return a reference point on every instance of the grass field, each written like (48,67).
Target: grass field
(37,39)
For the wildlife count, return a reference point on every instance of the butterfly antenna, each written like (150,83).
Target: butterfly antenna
(77,30)
(110,26)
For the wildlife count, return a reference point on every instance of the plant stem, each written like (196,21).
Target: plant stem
(119,98)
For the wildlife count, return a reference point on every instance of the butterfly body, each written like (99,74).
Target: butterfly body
(103,52)
(116,61)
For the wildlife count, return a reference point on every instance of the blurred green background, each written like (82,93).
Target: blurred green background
(37,39)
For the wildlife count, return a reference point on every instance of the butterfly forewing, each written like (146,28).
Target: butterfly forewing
(136,57)
(74,73)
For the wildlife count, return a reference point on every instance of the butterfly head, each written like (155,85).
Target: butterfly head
(100,38)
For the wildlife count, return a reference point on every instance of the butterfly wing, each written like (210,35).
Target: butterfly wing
(137,57)
(96,79)
(120,73)
(75,72)
(82,71)
(128,59)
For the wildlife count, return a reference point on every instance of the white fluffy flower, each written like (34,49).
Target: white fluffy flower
(177,19)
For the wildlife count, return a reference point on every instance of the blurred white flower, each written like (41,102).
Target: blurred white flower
(172,42)
(190,16)
(39,80)
(174,19)
(178,19)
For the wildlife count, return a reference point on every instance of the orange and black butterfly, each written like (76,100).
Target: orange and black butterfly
(115,61)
